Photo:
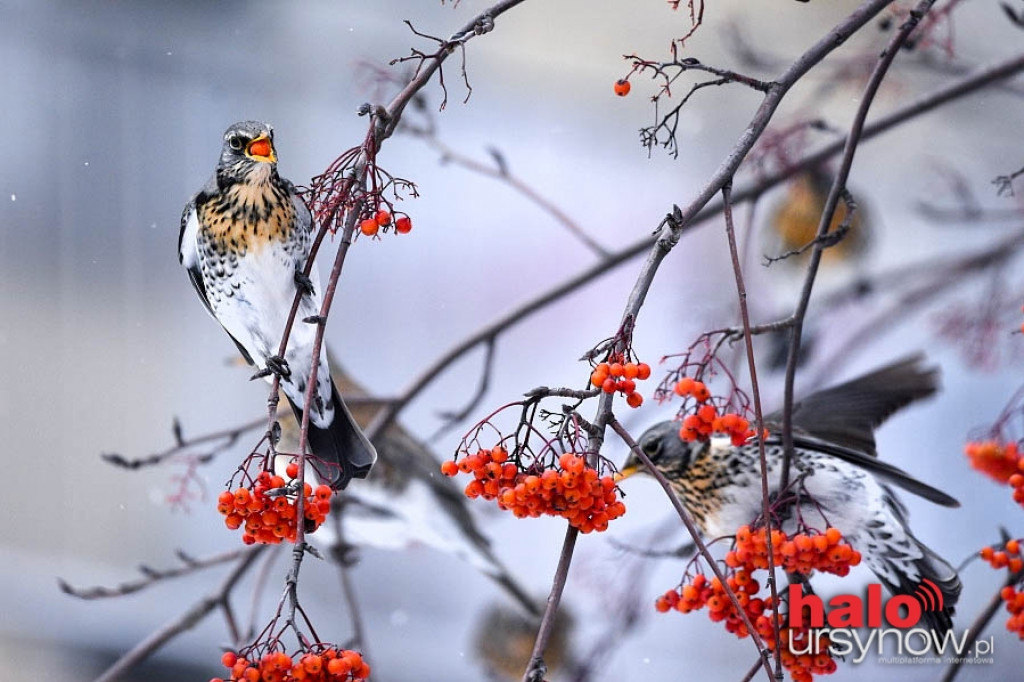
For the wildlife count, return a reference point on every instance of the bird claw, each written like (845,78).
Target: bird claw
(276,365)
(304,283)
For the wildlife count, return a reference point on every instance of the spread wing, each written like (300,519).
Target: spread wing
(849,413)
(883,470)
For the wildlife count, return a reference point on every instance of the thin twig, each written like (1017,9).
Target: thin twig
(702,547)
(741,291)
(153,576)
(186,621)
(537,669)
(340,550)
(501,173)
(978,626)
(838,186)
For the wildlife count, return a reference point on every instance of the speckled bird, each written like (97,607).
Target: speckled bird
(245,239)
(836,477)
(406,501)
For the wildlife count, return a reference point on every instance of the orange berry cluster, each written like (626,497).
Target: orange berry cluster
(269,520)
(330,665)
(1008,557)
(801,553)
(573,491)
(1014,599)
(802,667)
(701,592)
(706,419)
(995,459)
(383,218)
(622,377)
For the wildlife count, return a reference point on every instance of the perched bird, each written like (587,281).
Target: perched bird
(245,238)
(836,478)
(794,221)
(504,643)
(406,501)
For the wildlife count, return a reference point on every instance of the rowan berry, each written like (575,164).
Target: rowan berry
(622,87)
(382,218)
(403,225)
(369,227)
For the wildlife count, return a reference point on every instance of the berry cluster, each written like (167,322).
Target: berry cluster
(706,419)
(382,219)
(270,519)
(997,460)
(801,553)
(330,665)
(622,377)
(701,592)
(1014,599)
(804,666)
(572,490)
(1008,557)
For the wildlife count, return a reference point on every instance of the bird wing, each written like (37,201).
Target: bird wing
(188,255)
(302,214)
(872,464)
(848,414)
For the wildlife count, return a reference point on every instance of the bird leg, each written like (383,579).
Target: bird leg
(304,283)
(276,365)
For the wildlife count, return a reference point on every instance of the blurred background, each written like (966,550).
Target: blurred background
(112,117)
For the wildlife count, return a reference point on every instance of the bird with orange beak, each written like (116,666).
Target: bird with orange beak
(244,241)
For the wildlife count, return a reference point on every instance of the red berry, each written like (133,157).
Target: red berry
(369,227)
(382,218)
(403,225)
(622,87)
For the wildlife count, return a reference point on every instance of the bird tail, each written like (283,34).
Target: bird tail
(937,587)
(340,450)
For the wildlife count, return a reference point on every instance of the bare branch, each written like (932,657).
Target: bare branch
(838,185)
(186,621)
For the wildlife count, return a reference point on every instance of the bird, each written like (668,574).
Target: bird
(405,501)
(793,223)
(836,475)
(244,242)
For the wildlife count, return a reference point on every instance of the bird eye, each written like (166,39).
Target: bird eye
(236,143)
(651,447)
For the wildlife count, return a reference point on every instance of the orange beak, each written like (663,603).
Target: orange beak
(261,149)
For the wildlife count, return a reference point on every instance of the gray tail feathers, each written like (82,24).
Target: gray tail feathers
(340,451)
(937,588)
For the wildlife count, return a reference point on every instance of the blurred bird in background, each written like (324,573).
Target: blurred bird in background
(505,639)
(405,500)
(244,241)
(836,478)
(794,221)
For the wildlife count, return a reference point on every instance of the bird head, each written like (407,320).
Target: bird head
(248,149)
(666,450)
